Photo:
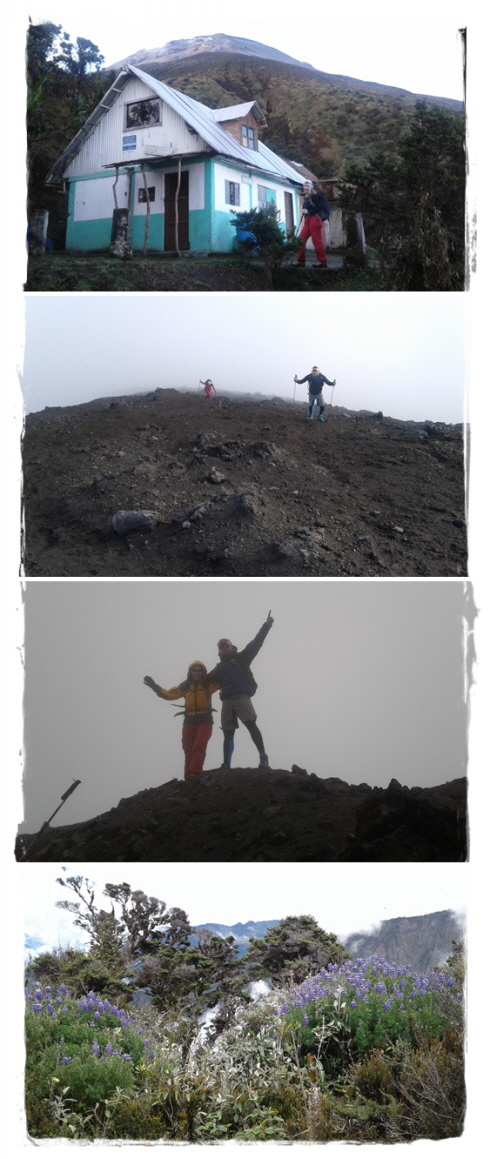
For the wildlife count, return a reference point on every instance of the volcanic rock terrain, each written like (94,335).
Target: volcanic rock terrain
(241,486)
(274,815)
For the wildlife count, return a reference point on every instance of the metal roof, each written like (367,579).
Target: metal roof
(233,112)
(195,114)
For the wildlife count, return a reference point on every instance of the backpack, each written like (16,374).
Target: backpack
(323,206)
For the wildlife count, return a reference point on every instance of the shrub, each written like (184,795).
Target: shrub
(84,1047)
(361,1006)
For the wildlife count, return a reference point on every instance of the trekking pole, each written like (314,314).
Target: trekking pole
(330,405)
(46,823)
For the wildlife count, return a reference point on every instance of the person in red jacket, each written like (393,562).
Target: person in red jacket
(196,691)
(208,387)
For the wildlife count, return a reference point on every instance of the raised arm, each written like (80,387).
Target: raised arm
(164,693)
(250,651)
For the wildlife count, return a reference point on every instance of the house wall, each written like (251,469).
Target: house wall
(91,205)
(106,144)
(223,228)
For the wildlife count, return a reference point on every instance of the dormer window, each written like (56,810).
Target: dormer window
(248,137)
(140,114)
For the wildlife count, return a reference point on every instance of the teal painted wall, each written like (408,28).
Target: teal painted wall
(155,235)
(224,233)
(89,235)
(209,229)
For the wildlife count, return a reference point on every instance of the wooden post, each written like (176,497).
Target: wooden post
(177,191)
(147,223)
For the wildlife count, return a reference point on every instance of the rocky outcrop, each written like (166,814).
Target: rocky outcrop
(274,815)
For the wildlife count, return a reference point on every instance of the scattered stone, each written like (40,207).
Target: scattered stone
(216,476)
(126,521)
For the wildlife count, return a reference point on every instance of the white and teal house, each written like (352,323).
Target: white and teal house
(177,168)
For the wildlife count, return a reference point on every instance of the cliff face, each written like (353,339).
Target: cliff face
(425,941)
(274,815)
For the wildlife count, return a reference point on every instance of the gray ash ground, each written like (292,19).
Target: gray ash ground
(261,491)
(274,815)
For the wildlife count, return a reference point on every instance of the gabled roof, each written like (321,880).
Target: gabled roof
(234,112)
(198,116)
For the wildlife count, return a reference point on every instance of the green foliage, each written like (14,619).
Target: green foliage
(266,237)
(384,1066)
(413,205)
(62,90)
(293,949)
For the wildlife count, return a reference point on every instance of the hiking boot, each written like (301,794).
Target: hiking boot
(227,767)
(300,265)
(319,266)
(321,419)
(308,417)
(264,761)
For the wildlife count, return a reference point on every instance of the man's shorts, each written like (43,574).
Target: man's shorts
(237,708)
(313,398)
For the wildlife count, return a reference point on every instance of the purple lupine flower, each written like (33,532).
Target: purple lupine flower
(38,994)
(62,988)
(36,1007)
(126,1057)
(66,1060)
(96,1049)
(305,1020)
(109,1049)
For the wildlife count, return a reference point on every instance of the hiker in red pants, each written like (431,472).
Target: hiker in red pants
(208,387)
(315,212)
(196,691)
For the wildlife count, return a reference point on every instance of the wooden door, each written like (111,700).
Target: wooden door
(183,211)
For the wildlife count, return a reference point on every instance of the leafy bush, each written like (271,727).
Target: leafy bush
(84,1046)
(266,236)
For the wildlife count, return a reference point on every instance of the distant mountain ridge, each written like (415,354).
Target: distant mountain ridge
(424,942)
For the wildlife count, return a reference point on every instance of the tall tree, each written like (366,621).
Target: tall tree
(414,206)
(64,83)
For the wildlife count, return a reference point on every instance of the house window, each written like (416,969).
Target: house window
(142,113)
(248,137)
(265,196)
(232,193)
(142,193)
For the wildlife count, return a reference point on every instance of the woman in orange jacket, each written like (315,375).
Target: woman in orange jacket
(196,691)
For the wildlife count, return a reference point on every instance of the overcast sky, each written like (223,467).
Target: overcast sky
(401,354)
(359,681)
(245,893)
(415,47)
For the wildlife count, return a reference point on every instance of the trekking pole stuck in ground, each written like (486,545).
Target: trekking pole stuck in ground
(46,823)
(330,404)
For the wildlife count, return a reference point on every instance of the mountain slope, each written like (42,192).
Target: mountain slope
(226,483)
(320,119)
(218,42)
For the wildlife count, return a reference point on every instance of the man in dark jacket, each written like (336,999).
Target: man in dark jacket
(237,688)
(315,382)
(314,206)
